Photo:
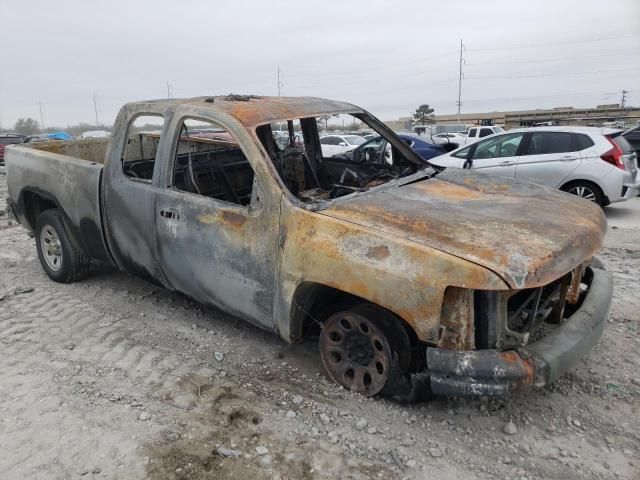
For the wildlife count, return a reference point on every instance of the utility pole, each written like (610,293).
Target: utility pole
(280,83)
(624,98)
(169,87)
(622,103)
(41,117)
(95,107)
(460,82)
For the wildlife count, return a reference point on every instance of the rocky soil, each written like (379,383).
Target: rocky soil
(115,378)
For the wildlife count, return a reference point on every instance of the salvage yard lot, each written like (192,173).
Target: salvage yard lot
(113,377)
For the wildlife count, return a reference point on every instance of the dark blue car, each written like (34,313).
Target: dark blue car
(376,150)
(425,149)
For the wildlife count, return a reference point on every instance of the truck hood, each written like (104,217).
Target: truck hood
(527,234)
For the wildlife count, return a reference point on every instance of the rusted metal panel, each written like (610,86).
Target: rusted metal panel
(573,292)
(74,189)
(527,234)
(483,372)
(93,150)
(403,276)
(456,320)
(491,372)
(260,110)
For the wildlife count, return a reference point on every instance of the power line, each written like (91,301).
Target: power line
(376,79)
(554,59)
(551,44)
(568,74)
(368,69)
(539,97)
(408,87)
(499,99)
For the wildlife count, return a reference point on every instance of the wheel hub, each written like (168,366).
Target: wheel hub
(51,248)
(358,349)
(583,192)
(355,353)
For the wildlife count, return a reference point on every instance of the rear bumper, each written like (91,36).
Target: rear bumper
(631,190)
(489,372)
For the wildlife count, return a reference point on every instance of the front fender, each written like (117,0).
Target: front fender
(400,275)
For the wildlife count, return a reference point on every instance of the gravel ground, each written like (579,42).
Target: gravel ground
(114,378)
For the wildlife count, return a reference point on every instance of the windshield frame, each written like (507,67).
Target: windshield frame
(379,129)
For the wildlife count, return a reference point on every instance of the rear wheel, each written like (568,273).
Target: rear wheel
(364,349)
(587,190)
(61,259)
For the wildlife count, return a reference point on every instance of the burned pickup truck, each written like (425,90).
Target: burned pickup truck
(469,283)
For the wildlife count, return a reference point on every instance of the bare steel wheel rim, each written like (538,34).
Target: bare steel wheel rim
(51,248)
(355,353)
(583,192)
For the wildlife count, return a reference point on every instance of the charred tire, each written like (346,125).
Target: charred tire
(585,189)
(60,258)
(364,349)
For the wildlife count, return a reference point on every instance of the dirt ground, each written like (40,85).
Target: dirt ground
(115,378)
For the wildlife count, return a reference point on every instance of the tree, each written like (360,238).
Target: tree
(324,119)
(26,126)
(424,115)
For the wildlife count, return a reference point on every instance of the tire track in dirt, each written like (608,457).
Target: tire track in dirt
(67,320)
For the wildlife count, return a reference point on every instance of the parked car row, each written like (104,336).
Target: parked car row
(18,138)
(372,145)
(594,163)
(9,139)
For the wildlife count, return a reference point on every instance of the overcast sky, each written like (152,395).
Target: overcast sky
(386,56)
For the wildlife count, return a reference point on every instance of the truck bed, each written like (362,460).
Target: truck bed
(64,175)
(92,150)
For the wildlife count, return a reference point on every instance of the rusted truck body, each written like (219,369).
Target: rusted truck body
(473,284)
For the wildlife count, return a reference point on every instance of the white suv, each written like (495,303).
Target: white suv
(597,164)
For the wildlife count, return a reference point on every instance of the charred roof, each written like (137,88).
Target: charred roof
(254,110)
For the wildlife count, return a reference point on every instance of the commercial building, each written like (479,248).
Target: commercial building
(602,115)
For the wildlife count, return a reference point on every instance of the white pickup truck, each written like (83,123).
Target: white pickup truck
(476,133)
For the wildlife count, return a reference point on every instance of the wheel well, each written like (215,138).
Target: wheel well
(314,302)
(34,205)
(568,185)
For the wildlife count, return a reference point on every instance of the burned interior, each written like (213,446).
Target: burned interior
(314,174)
(209,162)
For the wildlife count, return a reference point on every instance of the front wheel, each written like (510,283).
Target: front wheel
(587,190)
(61,259)
(364,350)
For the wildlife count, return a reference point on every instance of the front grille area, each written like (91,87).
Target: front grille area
(505,320)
